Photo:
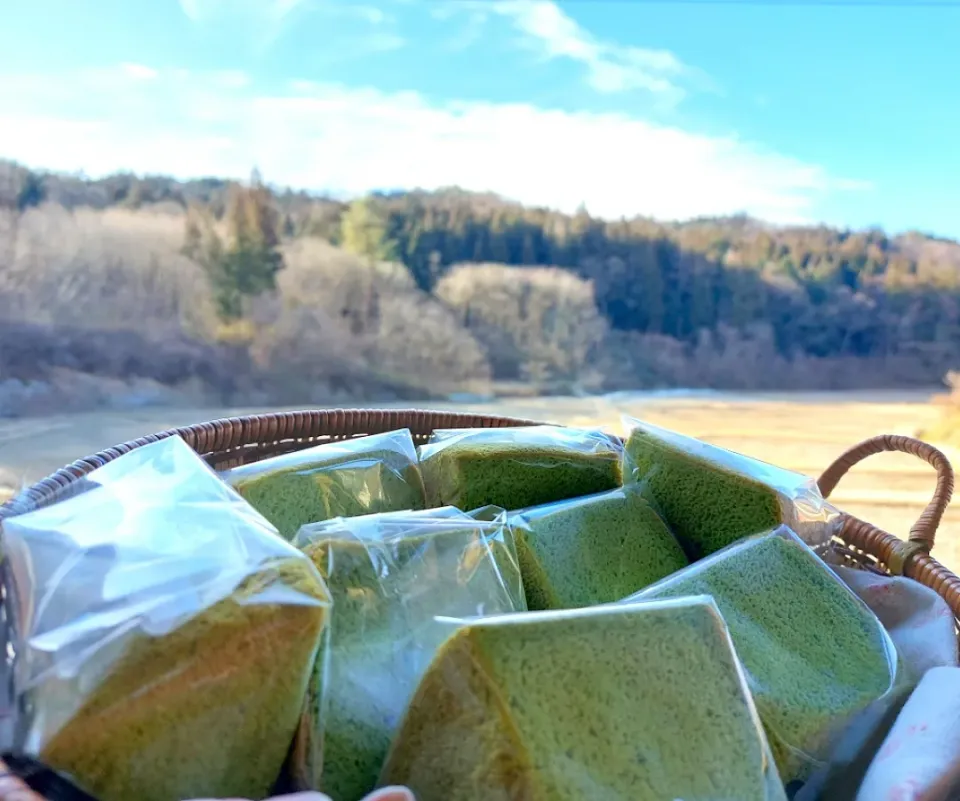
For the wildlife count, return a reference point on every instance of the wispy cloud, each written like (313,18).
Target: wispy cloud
(193,9)
(352,140)
(381,42)
(547,30)
(207,10)
(139,71)
(371,14)
(230,79)
(263,22)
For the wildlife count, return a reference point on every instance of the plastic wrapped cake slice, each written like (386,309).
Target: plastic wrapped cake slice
(623,703)
(359,476)
(163,634)
(390,575)
(518,467)
(815,656)
(592,550)
(711,497)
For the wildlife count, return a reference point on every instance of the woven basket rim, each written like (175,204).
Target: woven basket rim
(233,440)
(254,437)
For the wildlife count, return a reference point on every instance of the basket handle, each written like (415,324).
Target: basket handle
(925,529)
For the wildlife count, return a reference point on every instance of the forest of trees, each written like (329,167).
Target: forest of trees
(547,296)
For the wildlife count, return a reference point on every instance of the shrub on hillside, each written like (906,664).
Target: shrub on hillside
(116,269)
(336,325)
(374,312)
(537,324)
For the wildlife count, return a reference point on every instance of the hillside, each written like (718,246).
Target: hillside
(408,293)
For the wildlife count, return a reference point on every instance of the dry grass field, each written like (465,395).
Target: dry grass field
(801,432)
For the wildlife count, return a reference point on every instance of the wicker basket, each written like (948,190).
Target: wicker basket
(240,440)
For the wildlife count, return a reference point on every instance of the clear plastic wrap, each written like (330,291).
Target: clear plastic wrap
(163,635)
(518,467)
(645,702)
(389,575)
(591,550)
(711,497)
(815,656)
(361,476)
(380,525)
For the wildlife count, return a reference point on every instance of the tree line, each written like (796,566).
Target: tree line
(822,292)
(809,292)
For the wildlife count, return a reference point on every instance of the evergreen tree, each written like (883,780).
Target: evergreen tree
(32,191)
(244,263)
(364,231)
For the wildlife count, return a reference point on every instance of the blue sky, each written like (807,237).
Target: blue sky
(795,113)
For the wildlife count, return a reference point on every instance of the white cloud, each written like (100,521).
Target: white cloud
(610,67)
(351,140)
(231,79)
(139,71)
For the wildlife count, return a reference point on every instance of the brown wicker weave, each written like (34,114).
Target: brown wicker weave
(239,440)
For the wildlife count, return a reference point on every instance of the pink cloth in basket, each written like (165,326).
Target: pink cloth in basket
(920,622)
(920,757)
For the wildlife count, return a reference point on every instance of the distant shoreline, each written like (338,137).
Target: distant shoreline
(32,447)
(801,396)
(171,404)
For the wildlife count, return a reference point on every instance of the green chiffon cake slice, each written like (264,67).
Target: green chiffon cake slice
(592,550)
(711,497)
(209,708)
(639,703)
(338,479)
(518,467)
(815,656)
(166,636)
(387,586)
